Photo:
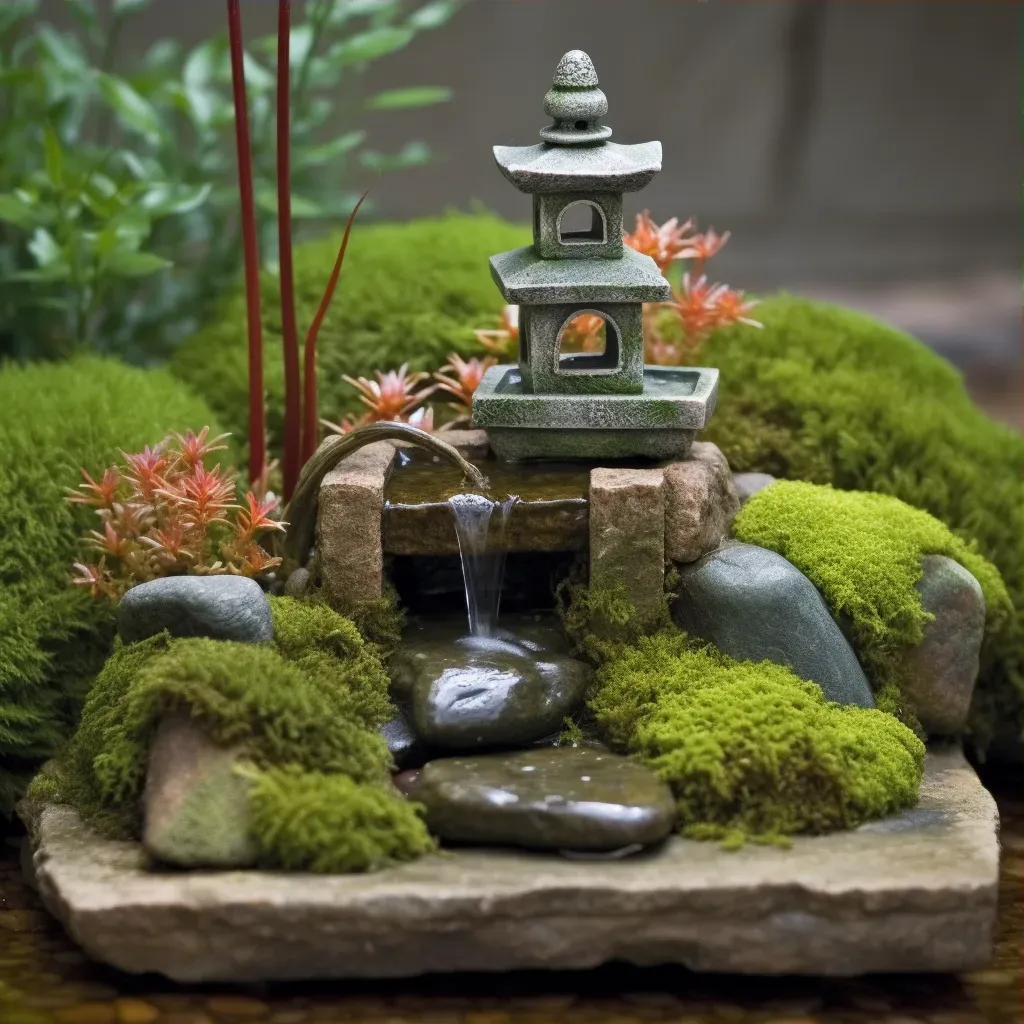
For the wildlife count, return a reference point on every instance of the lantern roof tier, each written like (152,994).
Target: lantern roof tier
(526,278)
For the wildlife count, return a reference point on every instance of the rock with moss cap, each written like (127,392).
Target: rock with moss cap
(864,552)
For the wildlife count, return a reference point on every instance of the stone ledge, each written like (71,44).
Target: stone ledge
(913,893)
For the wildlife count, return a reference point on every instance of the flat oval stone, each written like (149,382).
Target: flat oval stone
(221,607)
(478,692)
(565,798)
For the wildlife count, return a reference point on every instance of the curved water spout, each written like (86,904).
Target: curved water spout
(301,511)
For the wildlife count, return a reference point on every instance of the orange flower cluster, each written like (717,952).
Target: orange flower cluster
(675,330)
(163,513)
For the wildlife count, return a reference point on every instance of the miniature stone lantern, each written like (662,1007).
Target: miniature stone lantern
(557,404)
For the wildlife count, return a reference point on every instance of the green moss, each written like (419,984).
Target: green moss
(829,396)
(863,552)
(325,645)
(751,750)
(309,821)
(409,292)
(54,420)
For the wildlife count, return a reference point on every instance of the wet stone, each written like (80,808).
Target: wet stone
(221,607)
(403,744)
(565,798)
(470,693)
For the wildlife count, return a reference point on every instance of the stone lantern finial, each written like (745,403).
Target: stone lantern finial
(575,103)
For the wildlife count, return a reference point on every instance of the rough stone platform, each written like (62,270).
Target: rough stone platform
(914,893)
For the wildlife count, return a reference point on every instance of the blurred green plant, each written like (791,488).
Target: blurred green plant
(118,196)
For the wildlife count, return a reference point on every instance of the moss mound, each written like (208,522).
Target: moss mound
(304,711)
(751,751)
(409,292)
(55,419)
(863,552)
(309,821)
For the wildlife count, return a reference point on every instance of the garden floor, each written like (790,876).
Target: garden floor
(44,979)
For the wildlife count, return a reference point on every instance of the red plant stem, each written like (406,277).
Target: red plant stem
(289,330)
(309,407)
(257,440)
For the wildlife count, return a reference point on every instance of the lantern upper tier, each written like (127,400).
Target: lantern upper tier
(607,167)
(576,155)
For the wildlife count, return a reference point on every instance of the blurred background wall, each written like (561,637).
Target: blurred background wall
(866,152)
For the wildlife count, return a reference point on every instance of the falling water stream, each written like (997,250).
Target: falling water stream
(483,564)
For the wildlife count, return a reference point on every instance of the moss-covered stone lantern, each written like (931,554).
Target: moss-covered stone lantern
(591,404)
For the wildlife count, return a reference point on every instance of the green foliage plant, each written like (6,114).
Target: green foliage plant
(863,552)
(54,420)
(118,194)
(751,751)
(304,713)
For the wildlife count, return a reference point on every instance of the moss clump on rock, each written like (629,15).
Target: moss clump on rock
(830,396)
(410,292)
(309,821)
(302,712)
(751,751)
(863,552)
(56,419)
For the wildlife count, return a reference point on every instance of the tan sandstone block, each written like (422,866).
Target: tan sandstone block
(349,549)
(700,503)
(627,534)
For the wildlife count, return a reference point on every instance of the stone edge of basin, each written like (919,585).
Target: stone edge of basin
(917,892)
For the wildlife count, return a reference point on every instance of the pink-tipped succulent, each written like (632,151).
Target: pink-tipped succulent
(461,377)
(163,513)
(392,396)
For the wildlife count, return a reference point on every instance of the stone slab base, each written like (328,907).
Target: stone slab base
(913,893)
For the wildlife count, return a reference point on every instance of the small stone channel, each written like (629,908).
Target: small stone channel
(487,699)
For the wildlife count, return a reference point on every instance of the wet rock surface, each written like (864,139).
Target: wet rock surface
(572,798)
(221,607)
(403,744)
(939,673)
(754,605)
(472,693)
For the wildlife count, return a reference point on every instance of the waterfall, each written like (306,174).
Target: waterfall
(482,568)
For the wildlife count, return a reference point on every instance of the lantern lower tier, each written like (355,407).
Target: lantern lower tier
(659,423)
